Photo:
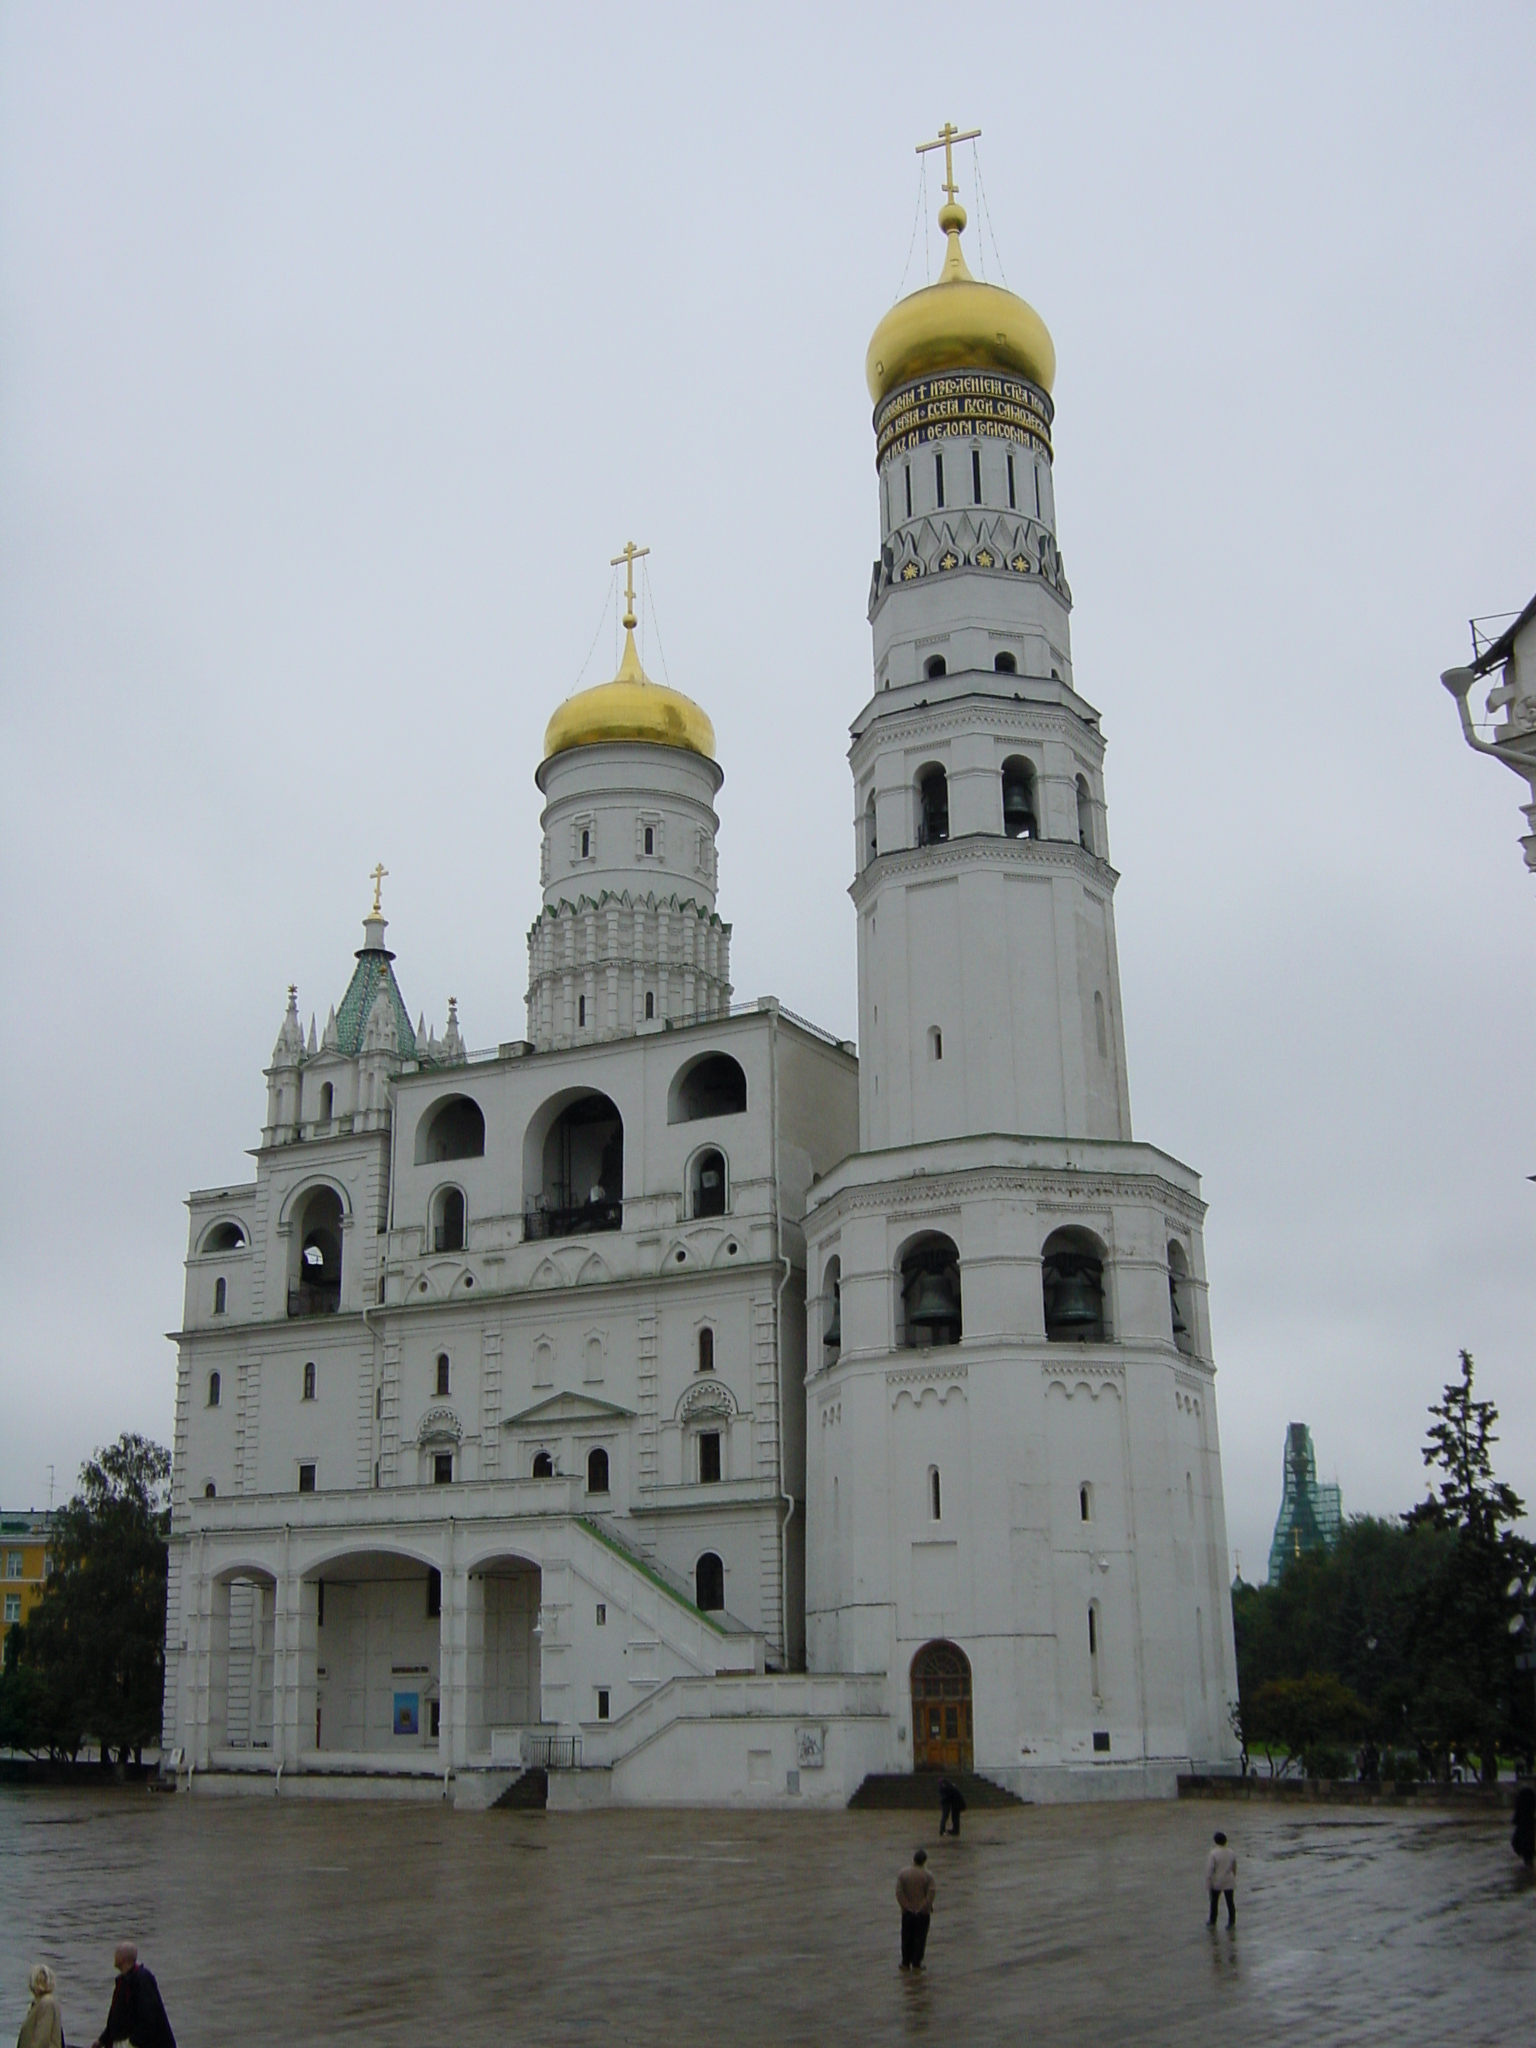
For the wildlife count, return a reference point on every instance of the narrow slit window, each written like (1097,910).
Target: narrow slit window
(1038,513)
(581,1009)
(976,476)
(309,1381)
(706,1350)
(215,1388)
(935,1499)
(1084,1504)
(602,1703)
(586,844)
(909,490)
(1093,1633)
(938,477)
(220,1296)
(650,838)
(709,1457)
(1013,500)
(442,1372)
(650,1003)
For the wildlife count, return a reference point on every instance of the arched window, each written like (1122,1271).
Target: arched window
(314,1285)
(1072,1277)
(574,1174)
(586,842)
(215,1388)
(543,1465)
(650,838)
(454,1129)
(709,1584)
(1021,810)
(871,836)
(327,1102)
(309,1380)
(650,1003)
(832,1310)
(935,1042)
(1084,816)
(934,667)
(581,1009)
(1006,664)
(930,1293)
(706,1349)
(1180,1306)
(932,807)
(448,1220)
(712,1086)
(210,1491)
(1085,1503)
(597,1471)
(706,1192)
(444,1371)
(225,1237)
(935,1498)
(220,1295)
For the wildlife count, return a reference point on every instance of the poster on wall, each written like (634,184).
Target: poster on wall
(407,1713)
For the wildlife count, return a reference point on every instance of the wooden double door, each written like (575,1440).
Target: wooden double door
(941,1709)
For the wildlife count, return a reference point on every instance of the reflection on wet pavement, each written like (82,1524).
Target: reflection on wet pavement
(270,1920)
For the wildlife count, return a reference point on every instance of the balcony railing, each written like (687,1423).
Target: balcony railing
(578,1222)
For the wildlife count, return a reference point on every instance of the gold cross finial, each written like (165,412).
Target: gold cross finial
(946,139)
(630,555)
(377,878)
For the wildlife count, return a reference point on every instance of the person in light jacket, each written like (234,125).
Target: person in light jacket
(1221,1878)
(43,2027)
(915,1894)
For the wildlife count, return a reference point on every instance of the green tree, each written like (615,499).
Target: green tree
(94,1645)
(1301,1717)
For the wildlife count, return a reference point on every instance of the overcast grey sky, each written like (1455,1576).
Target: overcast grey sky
(342,346)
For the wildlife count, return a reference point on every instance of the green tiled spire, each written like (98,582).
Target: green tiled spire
(373,972)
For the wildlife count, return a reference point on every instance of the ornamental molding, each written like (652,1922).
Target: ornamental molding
(1029,717)
(440,1426)
(706,1398)
(1054,1193)
(1056,855)
(924,1375)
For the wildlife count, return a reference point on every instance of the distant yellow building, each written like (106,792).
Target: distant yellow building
(24,1562)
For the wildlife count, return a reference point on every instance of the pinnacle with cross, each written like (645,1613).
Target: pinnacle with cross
(377,878)
(629,555)
(946,139)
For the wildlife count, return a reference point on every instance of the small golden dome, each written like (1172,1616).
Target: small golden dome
(630,708)
(958,324)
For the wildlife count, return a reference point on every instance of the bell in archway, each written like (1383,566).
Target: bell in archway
(1077,1305)
(1018,818)
(833,1336)
(1180,1327)
(934,1308)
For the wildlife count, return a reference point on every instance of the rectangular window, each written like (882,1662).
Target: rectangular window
(12,1607)
(602,1614)
(442,1468)
(306,1479)
(976,475)
(581,1009)
(938,476)
(709,1456)
(13,1565)
(602,1703)
(909,490)
(1101,1741)
(1013,502)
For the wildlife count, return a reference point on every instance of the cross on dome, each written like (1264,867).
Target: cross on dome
(629,554)
(377,879)
(946,139)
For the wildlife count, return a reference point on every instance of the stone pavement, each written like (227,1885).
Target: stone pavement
(275,1921)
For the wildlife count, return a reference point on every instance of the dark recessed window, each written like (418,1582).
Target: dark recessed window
(443,1370)
(909,490)
(434,1591)
(706,1350)
(215,1388)
(709,1457)
(602,1703)
(650,1002)
(650,839)
(210,1491)
(938,476)
(581,1009)
(976,475)
(597,1471)
(1038,515)
(1013,502)
(709,1583)
(442,1468)
(220,1296)
(543,1465)
(586,844)
(306,1479)
(1101,1740)
(309,1380)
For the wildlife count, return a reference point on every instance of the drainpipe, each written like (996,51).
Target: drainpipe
(277,1782)
(778,1329)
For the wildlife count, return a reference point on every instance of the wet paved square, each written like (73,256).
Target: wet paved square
(275,1921)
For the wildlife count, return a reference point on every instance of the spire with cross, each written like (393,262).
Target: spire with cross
(946,139)
(377,879)
(629,555)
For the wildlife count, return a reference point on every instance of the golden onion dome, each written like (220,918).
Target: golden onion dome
(958,324)
(630,708)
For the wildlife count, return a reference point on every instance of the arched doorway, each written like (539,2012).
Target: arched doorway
(941,1709)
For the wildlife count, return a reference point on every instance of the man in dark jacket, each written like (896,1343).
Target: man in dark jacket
(137,2015)
(951,1806)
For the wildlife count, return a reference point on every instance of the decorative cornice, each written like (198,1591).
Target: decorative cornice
(924,1375)
(440,1426)
(1012,714)
(1057,854)
(1050,1186)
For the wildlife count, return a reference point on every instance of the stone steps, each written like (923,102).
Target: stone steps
(528,1793)
(918,1792)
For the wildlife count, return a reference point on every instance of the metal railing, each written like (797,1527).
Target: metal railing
(551,1752)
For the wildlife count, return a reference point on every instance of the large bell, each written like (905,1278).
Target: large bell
(1018,818)
(833,1335)
(1180,1327)
(1077,1302)
(934,1307)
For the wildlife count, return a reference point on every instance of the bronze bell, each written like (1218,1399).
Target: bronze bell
(933,1304)
(1076,1303)
(834,1333)
(1180,1327)
(1018,818)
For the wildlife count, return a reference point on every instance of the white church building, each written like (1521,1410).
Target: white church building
(671,1399)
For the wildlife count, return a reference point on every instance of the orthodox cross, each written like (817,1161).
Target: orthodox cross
(946,139)
(377,878)
(630,555)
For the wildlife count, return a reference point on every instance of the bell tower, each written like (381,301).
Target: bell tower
(1014,1507)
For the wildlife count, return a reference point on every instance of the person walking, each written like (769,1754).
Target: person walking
(951,1806)
(915,1894)
(1221,1878)
(1523,1838)
(43,2026)
(138,2012)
